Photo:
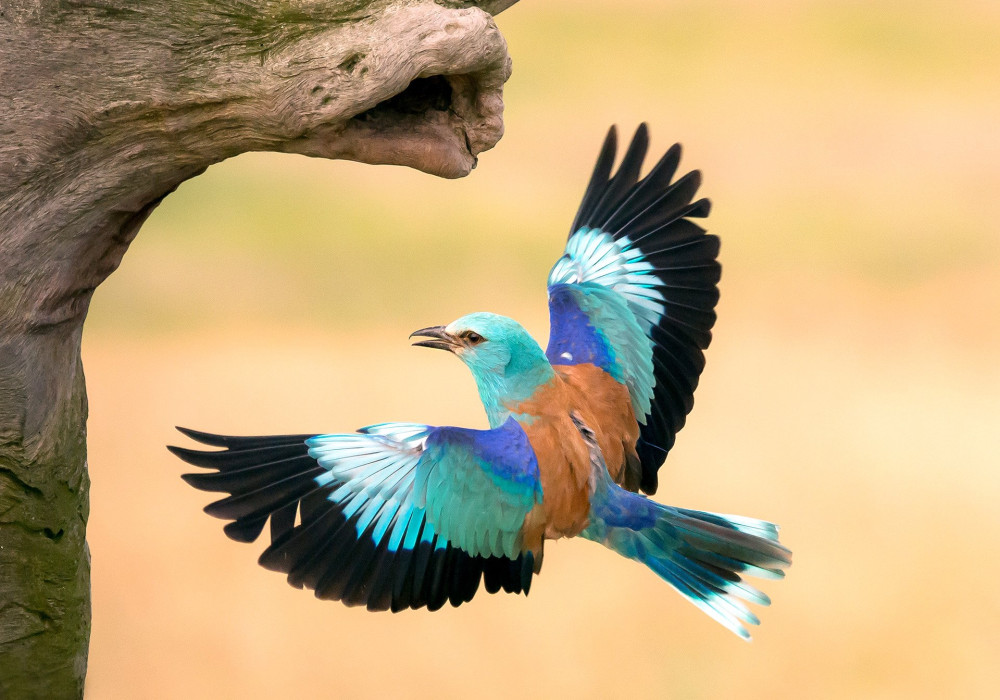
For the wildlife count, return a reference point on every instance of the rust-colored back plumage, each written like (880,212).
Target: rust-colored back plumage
(563,461)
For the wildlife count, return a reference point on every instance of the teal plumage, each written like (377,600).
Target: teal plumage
(406,515)
(477,487)
(698,553)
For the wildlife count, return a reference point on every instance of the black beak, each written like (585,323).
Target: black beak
(439,338)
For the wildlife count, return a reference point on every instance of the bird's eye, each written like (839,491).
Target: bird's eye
(472,337)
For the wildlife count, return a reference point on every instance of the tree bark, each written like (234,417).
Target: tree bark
(106,106)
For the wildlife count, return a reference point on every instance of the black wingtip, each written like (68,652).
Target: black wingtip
(683,190)
(527,572)
(194,457)
(668,164)
(209,481)
(639,144)
(700,209)
(245,530)
(606,156)
(611,140)
(203,438)
(194,480)
(598,179)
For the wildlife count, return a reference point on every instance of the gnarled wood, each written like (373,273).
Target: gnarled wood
(106,106)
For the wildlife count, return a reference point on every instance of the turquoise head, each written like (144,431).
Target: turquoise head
(506,362)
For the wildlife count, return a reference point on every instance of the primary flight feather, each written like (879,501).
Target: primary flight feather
(404,515)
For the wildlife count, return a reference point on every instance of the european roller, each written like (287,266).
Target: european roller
(406,515)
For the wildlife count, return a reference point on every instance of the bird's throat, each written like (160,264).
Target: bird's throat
(502,392)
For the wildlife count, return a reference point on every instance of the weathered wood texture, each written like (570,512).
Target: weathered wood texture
(106,106)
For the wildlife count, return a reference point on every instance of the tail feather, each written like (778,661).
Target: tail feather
(703,532)
(703,555)
(703,559)
(732,564)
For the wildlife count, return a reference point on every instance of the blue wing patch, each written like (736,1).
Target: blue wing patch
(477,486)
(584,317)
(574,339)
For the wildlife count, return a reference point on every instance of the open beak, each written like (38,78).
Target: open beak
(438,338)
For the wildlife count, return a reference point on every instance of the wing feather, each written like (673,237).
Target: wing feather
(633,238)
(347,511)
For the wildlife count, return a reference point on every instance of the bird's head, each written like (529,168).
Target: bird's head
(485,342)
(505,360)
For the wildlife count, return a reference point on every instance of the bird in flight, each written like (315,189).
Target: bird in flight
(406,515)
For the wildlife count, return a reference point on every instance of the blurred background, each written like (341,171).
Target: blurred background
(852,392)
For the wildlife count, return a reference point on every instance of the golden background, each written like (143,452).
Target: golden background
(852,392)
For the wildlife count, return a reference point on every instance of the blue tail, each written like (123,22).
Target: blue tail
(702,555)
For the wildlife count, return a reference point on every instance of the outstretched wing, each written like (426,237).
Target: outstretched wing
(635,291)
(397,515)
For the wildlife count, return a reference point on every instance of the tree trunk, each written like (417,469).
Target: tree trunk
(106,106)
